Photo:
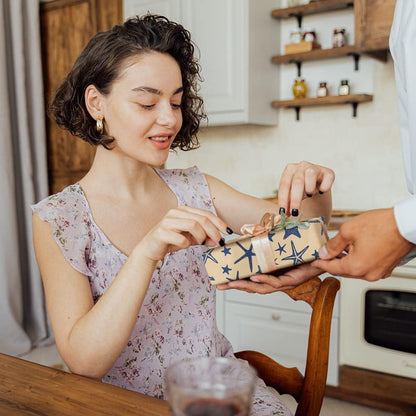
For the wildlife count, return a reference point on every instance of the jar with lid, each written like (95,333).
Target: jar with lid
(344,88)
(296,36)
(322,90)
(338,38)
(299,88)
(309,35)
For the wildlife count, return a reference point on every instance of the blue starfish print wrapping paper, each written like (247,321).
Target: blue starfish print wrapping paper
(269,251)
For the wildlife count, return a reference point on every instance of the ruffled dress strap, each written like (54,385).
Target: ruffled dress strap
(190,187)
(67,214)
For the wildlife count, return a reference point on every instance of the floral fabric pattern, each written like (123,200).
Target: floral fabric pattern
(177,319)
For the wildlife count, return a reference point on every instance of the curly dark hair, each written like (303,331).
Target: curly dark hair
(100,63)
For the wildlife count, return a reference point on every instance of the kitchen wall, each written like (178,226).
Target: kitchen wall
(364,152)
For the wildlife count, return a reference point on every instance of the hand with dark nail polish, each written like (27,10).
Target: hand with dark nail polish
(295,212)
(229,230)
(309,195)
(282,210)
(221,242)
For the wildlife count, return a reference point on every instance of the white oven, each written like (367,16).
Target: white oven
(378,323)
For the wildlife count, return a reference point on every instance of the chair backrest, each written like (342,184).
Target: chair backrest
(308,390)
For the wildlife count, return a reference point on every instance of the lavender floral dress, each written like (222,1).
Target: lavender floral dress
(177,319)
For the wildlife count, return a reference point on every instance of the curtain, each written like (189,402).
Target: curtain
(23,177)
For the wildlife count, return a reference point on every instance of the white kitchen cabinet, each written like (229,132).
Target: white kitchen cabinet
(235,39)
(169,8)
(275,325)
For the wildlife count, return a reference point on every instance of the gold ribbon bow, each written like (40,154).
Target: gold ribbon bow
(269,223)
(261,245)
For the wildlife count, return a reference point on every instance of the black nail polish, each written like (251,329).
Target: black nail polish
(295,212)
(282,210)
(221,242)
(309,195)
(204,242)
(229,230)
(321,192)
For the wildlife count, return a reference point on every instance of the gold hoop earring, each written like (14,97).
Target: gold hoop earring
(99,125)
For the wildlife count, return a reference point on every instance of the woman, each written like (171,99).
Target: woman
(138,233)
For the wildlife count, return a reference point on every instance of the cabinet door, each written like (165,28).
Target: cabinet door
(281,334)
(274,300)
(220,30)
(66,27)
(234,41)
(168,8)
(373,20)
(216,27)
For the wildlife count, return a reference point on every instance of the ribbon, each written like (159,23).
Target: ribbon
(269,223)
(261,244)
(266,225)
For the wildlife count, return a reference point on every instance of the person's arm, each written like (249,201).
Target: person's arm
(402,38)
(89,336)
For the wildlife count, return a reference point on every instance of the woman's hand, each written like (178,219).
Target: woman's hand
(180,228)
(302,180)
(266,283)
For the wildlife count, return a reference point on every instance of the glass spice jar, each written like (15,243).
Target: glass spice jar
(338,38)
(299,88)
(322,90)
(296,36)
(309,35)
(344,88)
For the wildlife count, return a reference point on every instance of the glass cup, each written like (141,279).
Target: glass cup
(215,386)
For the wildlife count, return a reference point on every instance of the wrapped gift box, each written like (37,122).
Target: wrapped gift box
(268,248)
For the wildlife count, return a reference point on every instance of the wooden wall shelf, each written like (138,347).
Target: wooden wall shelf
(316,54)
(372,22)
(329,53)
(311,8)
(353,99)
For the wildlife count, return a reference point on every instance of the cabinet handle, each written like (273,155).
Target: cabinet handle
(275,316)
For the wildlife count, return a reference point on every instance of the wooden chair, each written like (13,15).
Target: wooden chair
(308,390)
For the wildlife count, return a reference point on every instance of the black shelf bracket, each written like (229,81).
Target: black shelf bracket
(354,109)
(356,57)
(297,109)
(298,66)
(298,18)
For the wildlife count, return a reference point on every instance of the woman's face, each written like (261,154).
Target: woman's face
(143,109)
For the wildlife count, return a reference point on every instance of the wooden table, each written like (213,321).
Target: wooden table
(31,389)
